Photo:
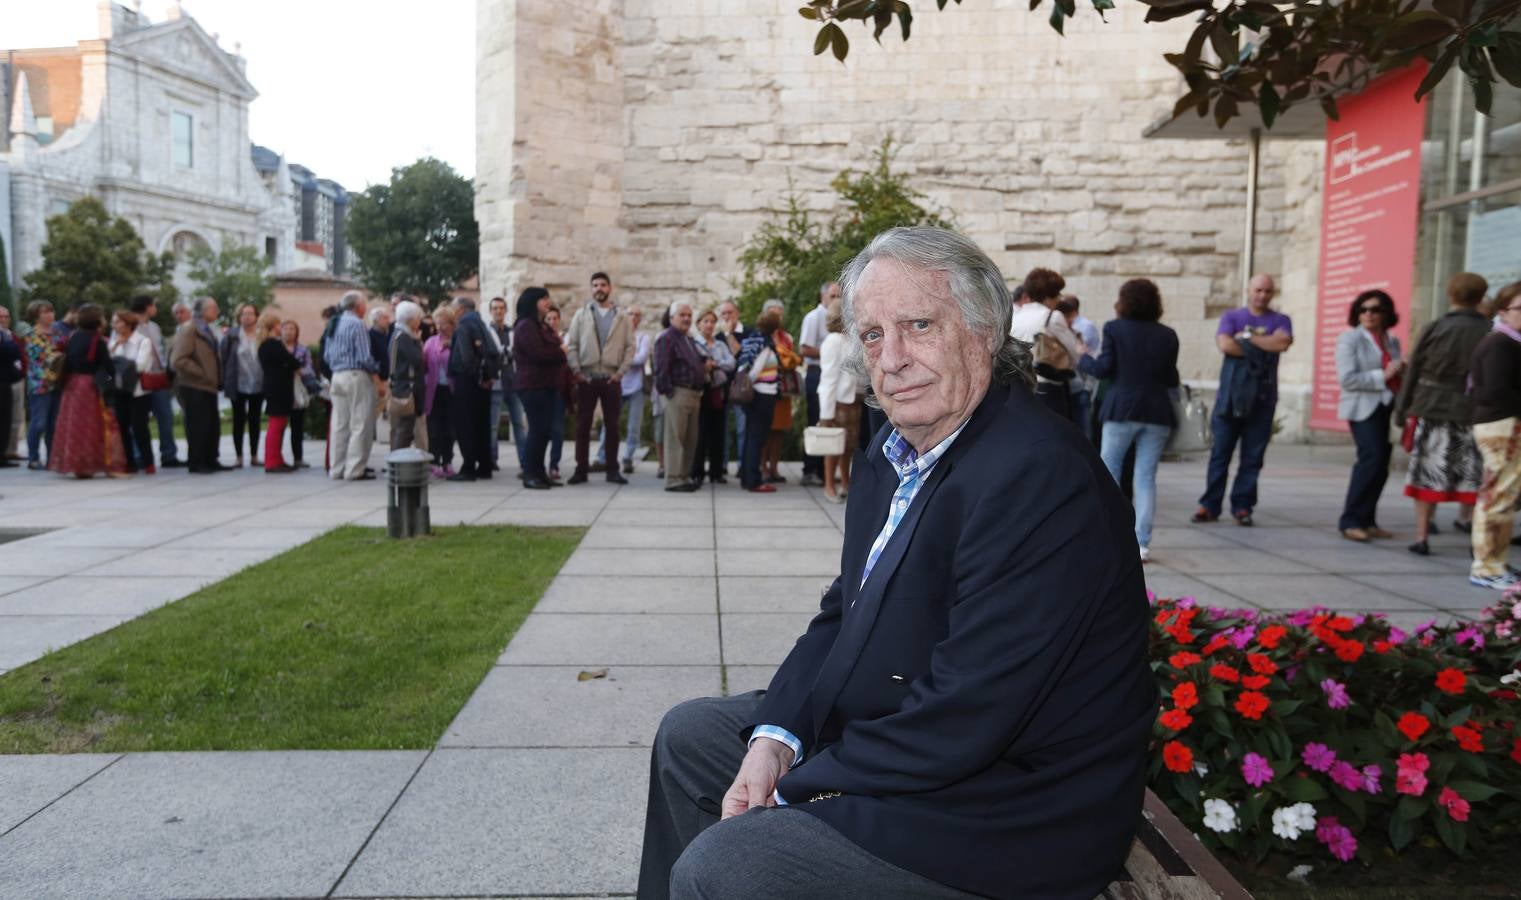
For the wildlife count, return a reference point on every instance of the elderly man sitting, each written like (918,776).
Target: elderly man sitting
(969,711)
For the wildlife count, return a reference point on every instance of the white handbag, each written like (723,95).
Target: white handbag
(821,440)
(1190,432)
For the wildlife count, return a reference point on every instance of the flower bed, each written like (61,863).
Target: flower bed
(1319,735)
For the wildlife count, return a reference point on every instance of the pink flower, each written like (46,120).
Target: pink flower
(1346,776)
(1410,778)
(1371,775)
(1456,806)
(1337,838)
(1256,770)
(1472,635)
(1397,635)
(1318,756)
(1336,694)
(1241,637)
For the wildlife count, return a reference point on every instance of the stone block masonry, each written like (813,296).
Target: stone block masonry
(652,137)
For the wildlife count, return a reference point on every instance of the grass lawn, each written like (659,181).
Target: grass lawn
(347,642)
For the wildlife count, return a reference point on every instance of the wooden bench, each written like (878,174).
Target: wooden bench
(1167,862)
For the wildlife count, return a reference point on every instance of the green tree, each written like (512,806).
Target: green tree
(1276,53)
(236,275)
(90,257)
(418,233)
(792,256)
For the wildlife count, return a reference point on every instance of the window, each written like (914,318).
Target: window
(183,128)
(44,130)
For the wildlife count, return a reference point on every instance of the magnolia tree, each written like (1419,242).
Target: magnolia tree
(1277,53)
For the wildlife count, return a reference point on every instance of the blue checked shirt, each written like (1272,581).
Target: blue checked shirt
(912,470)
(349,347)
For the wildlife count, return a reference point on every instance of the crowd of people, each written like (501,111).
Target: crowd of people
(721,391)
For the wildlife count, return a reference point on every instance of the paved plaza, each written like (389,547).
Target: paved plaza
(538,785)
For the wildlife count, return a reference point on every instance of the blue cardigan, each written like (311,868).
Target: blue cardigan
(1142,360)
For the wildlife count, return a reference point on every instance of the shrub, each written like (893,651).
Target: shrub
(1314,734)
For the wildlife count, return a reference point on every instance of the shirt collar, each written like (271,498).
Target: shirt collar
(906,461)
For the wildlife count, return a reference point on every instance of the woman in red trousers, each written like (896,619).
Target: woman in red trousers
(281,369)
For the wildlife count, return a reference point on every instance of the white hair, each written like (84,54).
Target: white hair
(773,303)
(373,316)
(350,300)
(407,312)
(679,304)
(975,283)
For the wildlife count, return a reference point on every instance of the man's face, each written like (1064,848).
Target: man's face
(601,290)
(248,317)
(361,308)
(729,313)
(5,318)
(209,311)
(498,313)
(383,320)
(182,314)
(682,320)
(928,370)
(830,294)
(1260,293)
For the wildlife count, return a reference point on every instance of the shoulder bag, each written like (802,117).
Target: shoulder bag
(1190,430)
(404,406)
(155,381)
(1049,352)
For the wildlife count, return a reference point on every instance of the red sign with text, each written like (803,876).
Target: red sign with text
(1370,213)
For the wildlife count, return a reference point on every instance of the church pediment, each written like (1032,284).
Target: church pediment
(183,47)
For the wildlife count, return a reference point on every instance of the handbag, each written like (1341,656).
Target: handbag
(1407,435)
(300,399)
(823,440)
(1050,353)
(155,381)
(741,389)
(1190,432)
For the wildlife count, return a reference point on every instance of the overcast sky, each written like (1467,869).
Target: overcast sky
(347,88)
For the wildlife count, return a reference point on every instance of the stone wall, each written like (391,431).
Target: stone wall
(1031,141)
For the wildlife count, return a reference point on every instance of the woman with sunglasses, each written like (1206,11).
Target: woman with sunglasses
(1368,366)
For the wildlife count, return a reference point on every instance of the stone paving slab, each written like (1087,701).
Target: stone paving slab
(547,706)
(21,558)
(79,595)
(610,594)
(1439,591)
(760,639)
(652,537)
(25,638)
(799,538)
(776,593)
(207,825)
(12,583)
(742,679)
(545,518)
(820,563)
(1288,592)
(30,783)
(610,639)
(494,822)
(135,536)
(183,560)
(591,561)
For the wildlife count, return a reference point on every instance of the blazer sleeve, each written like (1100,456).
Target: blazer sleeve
(992,672)
(1172,360)
(787,699)
(1348,372)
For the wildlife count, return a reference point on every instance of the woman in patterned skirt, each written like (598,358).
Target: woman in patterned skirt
(1445,466)
(86,439)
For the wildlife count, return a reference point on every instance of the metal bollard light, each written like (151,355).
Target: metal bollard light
(407,493)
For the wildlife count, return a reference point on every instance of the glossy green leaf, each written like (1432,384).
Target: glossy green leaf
(1304,790)
(1473,791)
(1402,831)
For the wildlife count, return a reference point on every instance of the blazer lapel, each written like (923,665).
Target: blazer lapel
(872,485)
(862,606)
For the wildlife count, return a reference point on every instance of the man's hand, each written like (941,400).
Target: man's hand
(827,423)
(764,765)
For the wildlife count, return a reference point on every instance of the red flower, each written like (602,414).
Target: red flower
(1339,623)
(1177,757)
(1515,750)
(1261,664)
(1251,704)
(1165,616)
(1216,643)
(1469,739)
(1222,672)
(1183,659)
(1255,682)
(1412,725)
(1271,635)
(1176,720)
(1185,696)
(1451,681)
(1349,651)
(1382,647)
(1180,633)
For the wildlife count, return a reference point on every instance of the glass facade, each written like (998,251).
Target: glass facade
(1470,193)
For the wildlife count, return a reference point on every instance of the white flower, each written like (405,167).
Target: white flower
(1513,678)
(1201,769)
(1290,821)
(1300,874)
(1219,816)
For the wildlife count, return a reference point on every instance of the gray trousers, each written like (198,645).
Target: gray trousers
(766,854)
(681,410)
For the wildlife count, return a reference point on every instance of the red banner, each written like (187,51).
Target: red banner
(1369,218)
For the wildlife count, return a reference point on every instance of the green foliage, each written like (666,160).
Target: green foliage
(233,276)
(418,233)
(91,257)
(792,256)
(347,642)
(1273,54)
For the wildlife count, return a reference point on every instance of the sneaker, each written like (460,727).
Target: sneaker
(1145,555)
(1501,582)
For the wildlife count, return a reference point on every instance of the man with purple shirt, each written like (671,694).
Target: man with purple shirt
(680,376)
(1251,339)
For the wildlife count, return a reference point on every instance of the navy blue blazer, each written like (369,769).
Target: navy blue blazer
(979,711)
(1141,358)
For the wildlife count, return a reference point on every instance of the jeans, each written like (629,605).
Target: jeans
(1150,439)
(557,430)
(1253,432)
(494,422)
(161,405)
(757,429)
(538,406)
(812,465)
(1371,470)
(37,425)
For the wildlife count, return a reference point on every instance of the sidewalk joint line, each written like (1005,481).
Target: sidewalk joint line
(383,816)
(49,805)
